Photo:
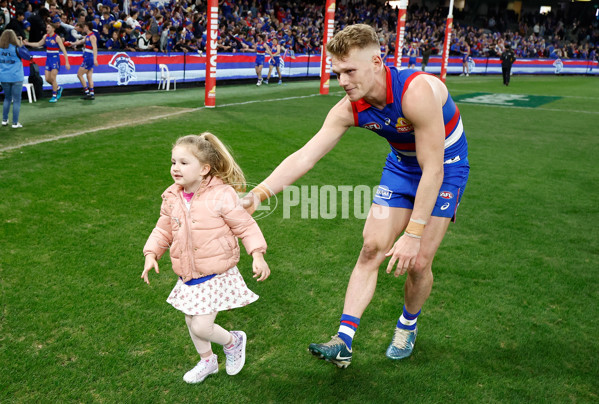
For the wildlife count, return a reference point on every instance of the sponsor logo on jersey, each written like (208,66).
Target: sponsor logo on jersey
(373,126)
(404,126)
(383,192)
(445,206)
(446,195)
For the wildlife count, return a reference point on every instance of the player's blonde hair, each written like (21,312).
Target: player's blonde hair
(208,149)
(360,36)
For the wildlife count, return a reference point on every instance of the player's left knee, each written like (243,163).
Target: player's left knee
(421,269)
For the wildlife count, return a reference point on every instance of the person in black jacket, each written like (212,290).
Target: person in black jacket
(16,24)
(508,57)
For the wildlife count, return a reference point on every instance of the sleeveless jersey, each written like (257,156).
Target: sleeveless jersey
(260,48)
(51,44)
(88,43)
(391,124)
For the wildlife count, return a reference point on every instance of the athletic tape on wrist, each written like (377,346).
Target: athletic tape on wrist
(415,227)
(262,191)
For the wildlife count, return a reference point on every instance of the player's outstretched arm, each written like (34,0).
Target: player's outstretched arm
(338,120)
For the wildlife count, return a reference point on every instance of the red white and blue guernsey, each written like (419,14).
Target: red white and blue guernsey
(52,53)
(88,53)
(401,174)
(260,51)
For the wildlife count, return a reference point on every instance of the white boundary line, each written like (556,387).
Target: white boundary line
(146,120)
(185,111)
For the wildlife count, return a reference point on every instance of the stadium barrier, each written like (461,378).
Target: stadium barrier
(142,68)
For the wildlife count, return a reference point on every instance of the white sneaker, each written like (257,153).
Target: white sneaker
(4,123)
(16,125)
(236,354)
(202,370)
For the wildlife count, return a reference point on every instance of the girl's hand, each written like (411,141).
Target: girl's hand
(150,263)
(260,267)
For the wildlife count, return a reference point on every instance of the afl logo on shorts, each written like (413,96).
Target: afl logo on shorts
(446,195)
(373,126)
(404,126)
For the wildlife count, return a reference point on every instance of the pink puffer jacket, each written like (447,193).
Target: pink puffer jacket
(203,241)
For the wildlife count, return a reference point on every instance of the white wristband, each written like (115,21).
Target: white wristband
(419,221)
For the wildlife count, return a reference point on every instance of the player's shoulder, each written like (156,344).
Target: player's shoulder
(424,92)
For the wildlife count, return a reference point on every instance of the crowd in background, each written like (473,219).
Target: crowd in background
(180,26)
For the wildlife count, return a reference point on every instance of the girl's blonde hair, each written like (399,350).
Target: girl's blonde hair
(208,149)
(360,36)
(8,37)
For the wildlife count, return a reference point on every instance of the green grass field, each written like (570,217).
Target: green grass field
(513,316)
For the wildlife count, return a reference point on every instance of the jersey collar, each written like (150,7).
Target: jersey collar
(362,105)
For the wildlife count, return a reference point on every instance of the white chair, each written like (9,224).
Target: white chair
(165,79)
(30,92)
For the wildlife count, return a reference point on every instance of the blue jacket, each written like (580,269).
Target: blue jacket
(11,66)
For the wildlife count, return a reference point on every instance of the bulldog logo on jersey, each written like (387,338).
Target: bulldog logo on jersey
(125,68)
(404,126)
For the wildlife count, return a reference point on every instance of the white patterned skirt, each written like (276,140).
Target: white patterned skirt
(223,292)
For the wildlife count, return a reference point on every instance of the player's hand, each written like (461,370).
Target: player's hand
(95,63)
(250,202)
(150,263)
(260,268)
(403,254)
(67,66)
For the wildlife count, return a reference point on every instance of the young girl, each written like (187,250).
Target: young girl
(200,218)
(53,45)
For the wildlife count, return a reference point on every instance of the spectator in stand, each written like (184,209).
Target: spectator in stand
(115,43)
(144,43)
(164,36)
(16,24)
(128,39)
(38,24)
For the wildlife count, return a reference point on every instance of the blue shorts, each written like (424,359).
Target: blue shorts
(412,60)
(88,61)
(464,58)
(53,61)
(275,61)
(399,183)
(259,60)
